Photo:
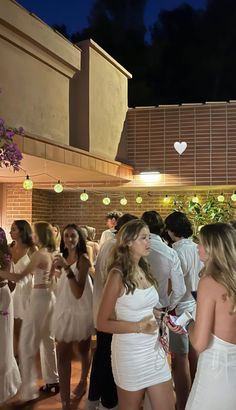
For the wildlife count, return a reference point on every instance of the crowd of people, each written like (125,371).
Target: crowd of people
(133,289)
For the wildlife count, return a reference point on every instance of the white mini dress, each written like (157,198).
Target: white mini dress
(73,318)
(10,379)
(138,359)
(23,288)
(214,386)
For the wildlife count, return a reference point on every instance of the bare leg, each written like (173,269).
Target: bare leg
(182,379)
(85,356)
(193,358)
(64,356)
(162,396)
(129,399)
(17,329)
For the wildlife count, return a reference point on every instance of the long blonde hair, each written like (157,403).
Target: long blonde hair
(219,242)
(122,257)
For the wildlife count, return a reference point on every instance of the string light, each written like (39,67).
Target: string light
(123,201)
(221,198)
(233,197)
(58,188)
(106,200)
(166,199)
(139,199)
(28,183)
(84,196)
(195,199)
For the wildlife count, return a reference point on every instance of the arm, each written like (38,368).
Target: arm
(16,277)
(200,331)
(77,286)
(106,323)
(177,281)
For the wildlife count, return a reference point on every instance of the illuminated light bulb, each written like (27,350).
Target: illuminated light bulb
(58,188)
(123,201)
(233,197)
(28,183)
(106,200)
(195,199)
(150,176)
(166,199)
(84,196)
(221,198)
(139,199)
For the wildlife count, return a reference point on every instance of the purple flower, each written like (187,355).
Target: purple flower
(10,155)
(10,134)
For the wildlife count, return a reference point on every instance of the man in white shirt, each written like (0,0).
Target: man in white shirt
(165,264)
(184,358)
(165,267)
(111,221)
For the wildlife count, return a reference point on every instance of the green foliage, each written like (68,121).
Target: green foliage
(210,211)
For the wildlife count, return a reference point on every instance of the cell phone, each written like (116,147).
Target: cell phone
(194,294)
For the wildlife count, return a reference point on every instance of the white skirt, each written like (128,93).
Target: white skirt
(138,361)
(214,386)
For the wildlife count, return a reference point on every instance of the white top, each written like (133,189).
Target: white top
(191,266)
(23,287)
(106,235)
(165,266)
(42,277)
(101,272)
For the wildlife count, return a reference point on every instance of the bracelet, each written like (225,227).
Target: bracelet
(70,274)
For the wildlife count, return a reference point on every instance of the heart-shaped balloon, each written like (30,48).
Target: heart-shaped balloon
(180,147)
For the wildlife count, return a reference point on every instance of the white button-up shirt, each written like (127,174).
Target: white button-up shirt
(107,235)
(191,266)
(101,272)
(165,266)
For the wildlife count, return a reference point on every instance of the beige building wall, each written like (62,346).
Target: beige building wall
(102,103)
(36,66)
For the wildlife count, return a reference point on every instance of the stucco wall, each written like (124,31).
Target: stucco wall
(36,65)
(102,97)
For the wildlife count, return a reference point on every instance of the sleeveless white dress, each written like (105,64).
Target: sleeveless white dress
(23,288)
(214,386)
(73,318)
(138,359)
(10,379)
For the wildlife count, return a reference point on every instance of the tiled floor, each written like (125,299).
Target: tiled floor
(53,402)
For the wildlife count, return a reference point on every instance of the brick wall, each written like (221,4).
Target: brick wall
(68,208)
(208,129)
(16,204)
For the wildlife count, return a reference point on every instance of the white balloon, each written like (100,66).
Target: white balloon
(180,147)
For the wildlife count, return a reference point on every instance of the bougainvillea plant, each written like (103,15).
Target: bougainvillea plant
(10,155)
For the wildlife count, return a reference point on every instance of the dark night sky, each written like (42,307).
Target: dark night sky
(74,13)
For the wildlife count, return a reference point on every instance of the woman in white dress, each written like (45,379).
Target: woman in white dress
(139,363)
(9,373)
(21,249)
(73,318)
(213,333)
(35,332)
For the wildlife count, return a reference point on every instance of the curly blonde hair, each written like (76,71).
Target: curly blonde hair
(122,257)
(219,242)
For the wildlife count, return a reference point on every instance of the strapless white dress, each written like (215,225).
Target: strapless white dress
(10,379)
(72,318)
(138,359)
(214,386)
(23,288)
